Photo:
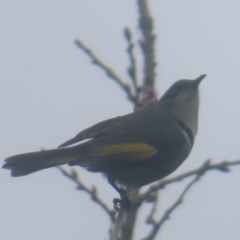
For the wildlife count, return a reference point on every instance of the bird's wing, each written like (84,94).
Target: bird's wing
(128,151)
(94,131)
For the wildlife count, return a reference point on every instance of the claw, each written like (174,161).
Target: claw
(124,202)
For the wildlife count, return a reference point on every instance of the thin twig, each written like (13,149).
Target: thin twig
(147,44)
(132,69)
(154,200)
(92,192)
(223,166)
(109,71)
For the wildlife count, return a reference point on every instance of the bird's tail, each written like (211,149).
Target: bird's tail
(27,163)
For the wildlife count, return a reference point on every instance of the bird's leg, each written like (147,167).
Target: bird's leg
(124,201)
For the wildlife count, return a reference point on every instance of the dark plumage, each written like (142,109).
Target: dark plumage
(131,150)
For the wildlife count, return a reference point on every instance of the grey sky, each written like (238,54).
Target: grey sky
(50,91)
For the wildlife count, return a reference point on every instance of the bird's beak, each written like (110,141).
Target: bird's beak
(199,79)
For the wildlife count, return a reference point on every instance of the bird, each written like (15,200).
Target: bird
(133,150)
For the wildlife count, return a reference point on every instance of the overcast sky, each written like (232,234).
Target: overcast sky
(49,91)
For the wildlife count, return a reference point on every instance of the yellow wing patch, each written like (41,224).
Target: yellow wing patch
(130,151)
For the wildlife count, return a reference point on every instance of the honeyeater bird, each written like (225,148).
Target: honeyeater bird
(131,150)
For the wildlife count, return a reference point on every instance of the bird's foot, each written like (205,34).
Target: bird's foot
(123,202)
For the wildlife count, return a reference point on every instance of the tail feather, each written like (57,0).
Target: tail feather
(27,163)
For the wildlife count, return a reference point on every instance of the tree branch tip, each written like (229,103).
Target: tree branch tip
(77,41)
(206,163)
(224,168)
(127,33)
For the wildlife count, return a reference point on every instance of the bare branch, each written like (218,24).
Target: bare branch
(109,71)
(222,166)
(92,192)
(147,44)
(166,215)
(154,200)
(131,216)
(118,224)
(132,69)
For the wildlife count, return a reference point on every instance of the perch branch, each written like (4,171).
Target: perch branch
(118,224)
